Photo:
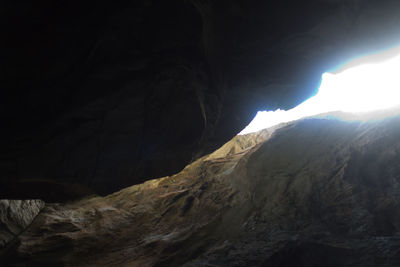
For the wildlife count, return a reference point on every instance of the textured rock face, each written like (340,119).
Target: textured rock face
(94,100)
(15,216)
(317,192)
(106,95)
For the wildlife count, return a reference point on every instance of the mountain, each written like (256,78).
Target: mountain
(314,192)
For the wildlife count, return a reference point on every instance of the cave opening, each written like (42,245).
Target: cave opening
(359,88)
(119,140)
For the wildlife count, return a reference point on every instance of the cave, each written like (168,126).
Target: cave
(123,140)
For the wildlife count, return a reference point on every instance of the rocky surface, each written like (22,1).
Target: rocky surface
(316,192)
(15,216)
(103,95)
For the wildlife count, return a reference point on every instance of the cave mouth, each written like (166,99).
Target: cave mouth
(362,88)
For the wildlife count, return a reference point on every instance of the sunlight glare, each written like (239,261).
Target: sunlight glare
(365,88)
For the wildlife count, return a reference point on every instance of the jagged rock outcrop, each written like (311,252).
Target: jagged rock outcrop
(316,192)
(15,216)
(108,94)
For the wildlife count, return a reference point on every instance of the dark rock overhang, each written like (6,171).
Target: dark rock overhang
(102,95)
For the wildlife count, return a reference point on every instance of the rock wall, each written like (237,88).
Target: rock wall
(106,95)
(317,192)
(15,216)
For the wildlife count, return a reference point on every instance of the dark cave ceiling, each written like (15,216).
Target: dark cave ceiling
(99,95)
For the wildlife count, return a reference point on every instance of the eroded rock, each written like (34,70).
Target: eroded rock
(317,192)
(15,216)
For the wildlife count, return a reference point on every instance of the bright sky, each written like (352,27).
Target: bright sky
(363,88)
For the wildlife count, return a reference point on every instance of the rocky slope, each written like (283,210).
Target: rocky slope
(316,192)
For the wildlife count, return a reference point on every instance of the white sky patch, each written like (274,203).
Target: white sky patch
(359,89)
